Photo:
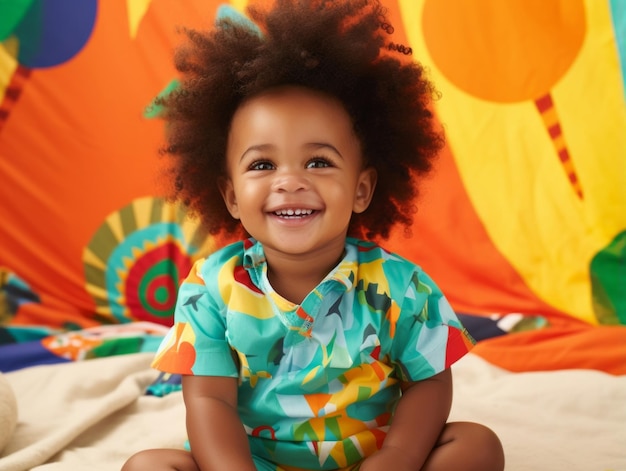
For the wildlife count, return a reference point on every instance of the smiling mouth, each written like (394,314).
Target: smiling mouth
(293,213)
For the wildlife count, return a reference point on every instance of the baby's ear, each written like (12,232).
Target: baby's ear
(228,193)
(364,189)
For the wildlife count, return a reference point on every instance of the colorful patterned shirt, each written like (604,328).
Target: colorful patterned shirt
(319,381)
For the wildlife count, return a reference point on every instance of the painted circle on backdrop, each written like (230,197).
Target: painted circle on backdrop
(53,32)
(137,259)
(523,49)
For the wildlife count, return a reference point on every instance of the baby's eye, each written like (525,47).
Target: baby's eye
(318,162)
(261,165)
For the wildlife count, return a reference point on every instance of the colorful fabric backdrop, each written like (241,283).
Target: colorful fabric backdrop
(523,225)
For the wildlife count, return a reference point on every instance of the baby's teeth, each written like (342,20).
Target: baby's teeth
(294,212)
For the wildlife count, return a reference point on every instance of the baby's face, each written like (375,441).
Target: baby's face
(295,171)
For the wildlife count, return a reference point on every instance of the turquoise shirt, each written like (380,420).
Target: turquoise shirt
(319,381)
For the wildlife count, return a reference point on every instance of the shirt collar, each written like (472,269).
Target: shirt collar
(253,254)
(344,273)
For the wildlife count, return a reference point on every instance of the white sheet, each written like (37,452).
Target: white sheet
(93,414)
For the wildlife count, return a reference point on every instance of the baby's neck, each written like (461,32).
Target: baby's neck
(294,278)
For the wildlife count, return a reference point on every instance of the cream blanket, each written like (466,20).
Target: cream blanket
(94,414)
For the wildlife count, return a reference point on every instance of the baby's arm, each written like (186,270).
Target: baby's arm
(216,435)
(418,421)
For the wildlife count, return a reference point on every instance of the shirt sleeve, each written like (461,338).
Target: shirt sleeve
(429,336)
(196,344)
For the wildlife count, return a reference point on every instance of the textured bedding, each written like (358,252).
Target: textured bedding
(90,399)
(94,414)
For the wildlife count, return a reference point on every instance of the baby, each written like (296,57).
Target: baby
(306,345)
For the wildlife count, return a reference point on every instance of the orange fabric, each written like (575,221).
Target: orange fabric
(567,346)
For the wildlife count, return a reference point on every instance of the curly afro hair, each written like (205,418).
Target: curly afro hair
(340,48)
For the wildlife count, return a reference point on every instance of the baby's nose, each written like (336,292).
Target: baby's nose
(291,180)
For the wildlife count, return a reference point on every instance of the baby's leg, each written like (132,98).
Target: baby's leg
(161,459)
(467,446)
